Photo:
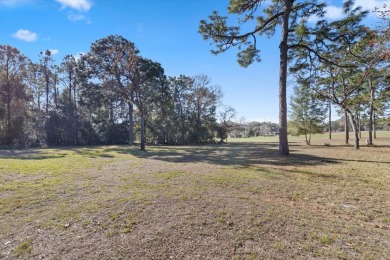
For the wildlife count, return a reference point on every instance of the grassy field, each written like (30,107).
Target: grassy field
(232,201)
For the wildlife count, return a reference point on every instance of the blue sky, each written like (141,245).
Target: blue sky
(163,30)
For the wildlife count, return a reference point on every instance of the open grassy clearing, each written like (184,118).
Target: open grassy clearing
(232,201)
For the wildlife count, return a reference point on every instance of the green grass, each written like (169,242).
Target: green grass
(23,249)
(231,201)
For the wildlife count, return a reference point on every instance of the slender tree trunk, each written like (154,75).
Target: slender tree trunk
(354,123)
(330,120)
(182,126)
(47,93)
(374,123)
(330,116)
(75,95)
(70,87)
(283,139)
(55,91)
(359,124)
(371,111)
(142,132)
(346,128)
(131,123)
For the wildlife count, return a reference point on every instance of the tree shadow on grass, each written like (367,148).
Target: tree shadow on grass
(54,153)
(238,154)
(30,154)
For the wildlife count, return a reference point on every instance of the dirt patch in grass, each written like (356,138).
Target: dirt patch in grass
(231,201)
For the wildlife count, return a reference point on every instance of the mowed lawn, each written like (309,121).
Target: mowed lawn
(231,201)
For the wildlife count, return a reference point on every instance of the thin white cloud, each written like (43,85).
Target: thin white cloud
(334,12)
(331,13)
(78,9)
(79,5)
(25,35)
(54,51)
(78,17)
(16,3)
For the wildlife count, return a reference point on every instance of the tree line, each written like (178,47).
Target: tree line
(110,95)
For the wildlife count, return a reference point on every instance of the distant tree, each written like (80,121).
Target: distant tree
(149,77)
(46,61)
(181,88)
(68,70)
(225,122)
(161,124)
(202,106)
(307,113)
(114,60)
(36,83)
(13,90)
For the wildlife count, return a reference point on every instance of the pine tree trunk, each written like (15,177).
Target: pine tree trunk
(346,128)
(354,124)
(371,111)
(359,125)
(47,93)
(131,124)
(55,91)
(142,133)
(374,123)
(283,139)
(330,120)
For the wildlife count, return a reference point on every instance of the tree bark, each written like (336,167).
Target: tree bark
(283,139)
(374,123)
(47,91)
(131,123)
(371,111)
(359,124)
(330,120)
(142,132)
(354,124)
(346,128)
(55,91)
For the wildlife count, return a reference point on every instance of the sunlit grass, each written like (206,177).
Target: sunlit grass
(321,202)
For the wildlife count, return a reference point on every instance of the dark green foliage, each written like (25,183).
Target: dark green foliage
(91,100)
